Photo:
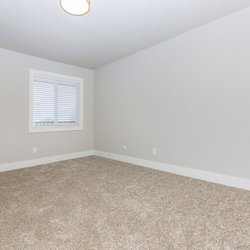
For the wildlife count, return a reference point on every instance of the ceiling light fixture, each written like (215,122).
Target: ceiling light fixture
(76,7)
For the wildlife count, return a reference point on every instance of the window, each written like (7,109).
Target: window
(56,102)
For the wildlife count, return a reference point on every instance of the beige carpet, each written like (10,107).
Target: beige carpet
(95,203)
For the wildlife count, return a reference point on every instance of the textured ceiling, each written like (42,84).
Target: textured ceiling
(112,29)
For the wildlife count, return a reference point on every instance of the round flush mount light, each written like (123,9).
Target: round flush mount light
(76,7)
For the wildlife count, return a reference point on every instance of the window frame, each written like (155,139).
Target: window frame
(75,80)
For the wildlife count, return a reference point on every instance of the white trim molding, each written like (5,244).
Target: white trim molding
(45,160)
(226,180)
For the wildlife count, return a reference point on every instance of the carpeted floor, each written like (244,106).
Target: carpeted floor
(95,203)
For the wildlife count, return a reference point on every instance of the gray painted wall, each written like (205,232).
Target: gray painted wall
(188,97)
(15,140)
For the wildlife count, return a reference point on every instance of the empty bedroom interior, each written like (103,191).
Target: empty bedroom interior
(157,152)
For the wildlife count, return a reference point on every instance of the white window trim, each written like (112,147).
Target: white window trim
(33,129)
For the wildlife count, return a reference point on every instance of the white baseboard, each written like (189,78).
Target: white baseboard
(35,162)
(227,180)
(189,172)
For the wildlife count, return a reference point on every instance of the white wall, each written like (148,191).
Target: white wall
(15,140)
(189,97)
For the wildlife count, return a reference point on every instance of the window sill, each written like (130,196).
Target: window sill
(55,129)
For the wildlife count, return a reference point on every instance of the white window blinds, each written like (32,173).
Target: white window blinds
(56,101)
